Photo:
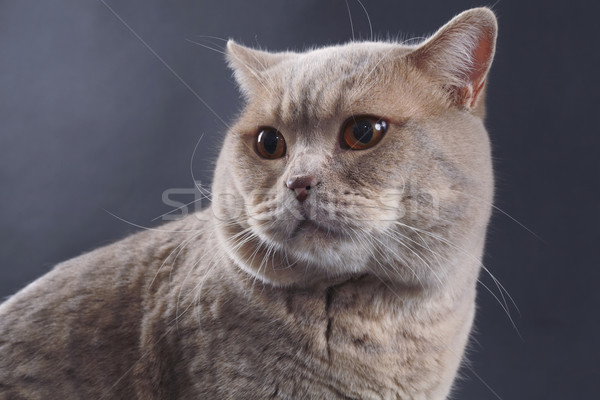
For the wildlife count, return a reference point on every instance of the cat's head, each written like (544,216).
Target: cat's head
(363,158)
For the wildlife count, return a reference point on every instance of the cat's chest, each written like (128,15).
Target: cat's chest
(305,345)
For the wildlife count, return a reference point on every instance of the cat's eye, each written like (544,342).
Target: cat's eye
(363,132)
(270,143)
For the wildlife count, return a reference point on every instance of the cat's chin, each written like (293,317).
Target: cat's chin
(319,246)
(305,235)
(312,231)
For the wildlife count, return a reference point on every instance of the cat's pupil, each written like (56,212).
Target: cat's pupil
(363,131)
(270,140)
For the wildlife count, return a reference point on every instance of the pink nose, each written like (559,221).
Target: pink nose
(301,185)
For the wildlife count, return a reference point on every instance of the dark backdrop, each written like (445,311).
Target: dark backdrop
(93,119)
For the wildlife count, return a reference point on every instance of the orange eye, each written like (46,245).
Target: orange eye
(363,132)
(270,143)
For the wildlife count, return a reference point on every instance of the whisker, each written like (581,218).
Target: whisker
(350,17)
(196,184)
(164,62)
(495,207)
(421,259)
(181,246)
(207,47)
(176,209)
(500,287)
(368,18)
(148,228)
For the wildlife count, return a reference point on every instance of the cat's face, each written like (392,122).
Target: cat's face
(349,159)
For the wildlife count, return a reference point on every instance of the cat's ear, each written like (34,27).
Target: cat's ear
(249,66)
(459,55)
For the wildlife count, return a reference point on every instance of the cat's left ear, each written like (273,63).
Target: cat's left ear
(459,55)
(249,66)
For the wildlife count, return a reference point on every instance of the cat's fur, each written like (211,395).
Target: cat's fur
(373,300)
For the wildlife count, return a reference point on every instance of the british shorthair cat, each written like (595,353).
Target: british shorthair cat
(338,259)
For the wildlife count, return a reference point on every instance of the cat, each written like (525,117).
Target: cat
(338,259)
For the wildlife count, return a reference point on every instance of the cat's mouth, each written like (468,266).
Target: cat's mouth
(310,225)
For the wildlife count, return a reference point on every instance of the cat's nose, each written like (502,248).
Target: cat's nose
(301,185)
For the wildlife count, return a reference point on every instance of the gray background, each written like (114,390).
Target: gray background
(91,120)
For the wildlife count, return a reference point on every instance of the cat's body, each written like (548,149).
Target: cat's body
(353,284)
(242,339)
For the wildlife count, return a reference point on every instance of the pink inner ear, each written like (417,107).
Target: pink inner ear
(481,60)
(482,56)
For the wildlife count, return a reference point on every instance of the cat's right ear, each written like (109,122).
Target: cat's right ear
(459,55)
(249,66)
